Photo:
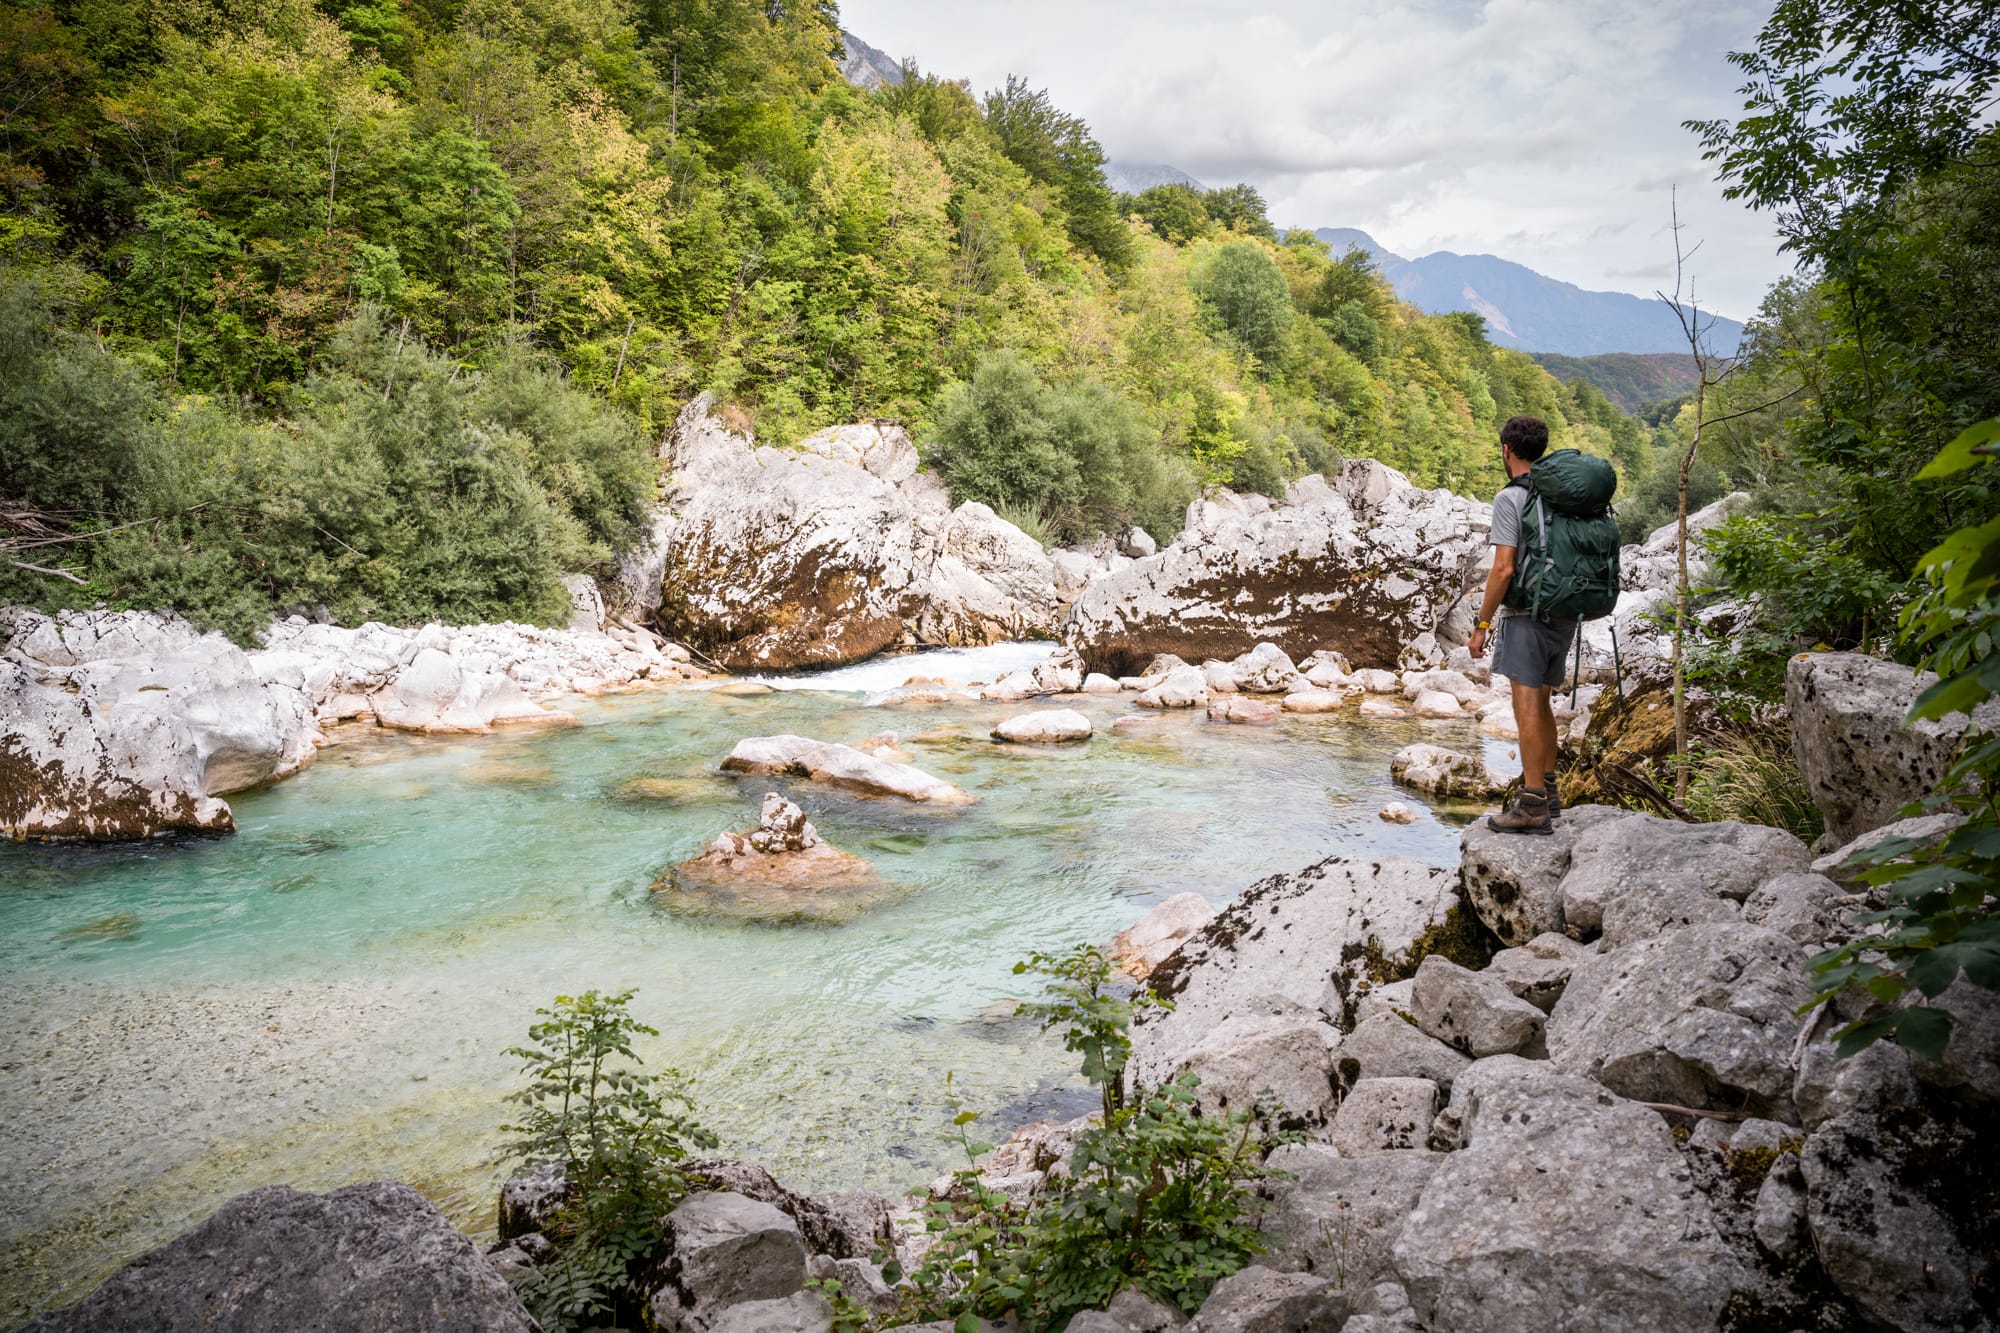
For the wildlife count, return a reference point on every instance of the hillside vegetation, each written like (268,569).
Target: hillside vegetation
(1632,380)
(378,307)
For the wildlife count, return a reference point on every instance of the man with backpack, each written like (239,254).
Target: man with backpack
(1555,562)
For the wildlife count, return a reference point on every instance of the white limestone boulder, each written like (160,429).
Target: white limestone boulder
(828,553)
(1289,946)
(1367,563)
(1565,1206)
(1441,772)
(840,766)
(132,725)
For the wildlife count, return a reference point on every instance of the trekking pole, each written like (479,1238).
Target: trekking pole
(1576,676)
(1617,667)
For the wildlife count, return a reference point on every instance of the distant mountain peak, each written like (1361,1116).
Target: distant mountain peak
(868,66)
(1531,310)
(1138,177)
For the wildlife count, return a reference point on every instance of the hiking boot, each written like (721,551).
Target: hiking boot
(1554,789)
(1528,814)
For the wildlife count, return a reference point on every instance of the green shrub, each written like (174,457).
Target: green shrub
(1156,1195)
(620,1135)
(1079,459)
(399,486)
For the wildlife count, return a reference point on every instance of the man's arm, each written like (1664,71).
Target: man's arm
(1497,580)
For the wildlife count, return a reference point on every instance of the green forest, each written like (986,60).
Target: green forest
(380,307)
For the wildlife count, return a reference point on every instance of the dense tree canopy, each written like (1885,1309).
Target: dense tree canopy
(301,299)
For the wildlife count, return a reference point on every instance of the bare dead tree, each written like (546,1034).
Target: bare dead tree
(1711,370)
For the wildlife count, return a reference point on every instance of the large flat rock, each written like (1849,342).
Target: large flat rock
(375,1258)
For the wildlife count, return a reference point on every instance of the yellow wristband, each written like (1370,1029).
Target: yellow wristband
(1486,624)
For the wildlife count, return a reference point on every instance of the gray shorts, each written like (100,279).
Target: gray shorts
(1533,652)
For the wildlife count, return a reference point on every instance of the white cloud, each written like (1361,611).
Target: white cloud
(1545,131)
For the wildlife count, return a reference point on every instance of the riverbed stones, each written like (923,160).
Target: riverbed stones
(1235,708)
(1385,1115)
(1474,1013)
(840,766)
(1515,883)
(724,1249)
(1150,940)
(1567,1207)
(1265,669)
(1860,760)
(1287,946)
(1314,701)
(1395,812)
(1046,726)
(1368,568)
(1632,878)
(434,693)
(1262,1300)
(1181,687)
(1702,1016)
(1435,704)
(1442,772)
(373,1258)
(1379,708)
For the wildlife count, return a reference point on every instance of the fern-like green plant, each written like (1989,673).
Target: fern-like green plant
(619,1134)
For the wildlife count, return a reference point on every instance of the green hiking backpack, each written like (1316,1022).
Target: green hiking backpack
(1567,564)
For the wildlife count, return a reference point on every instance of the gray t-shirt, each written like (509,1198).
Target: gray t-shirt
(1507,509)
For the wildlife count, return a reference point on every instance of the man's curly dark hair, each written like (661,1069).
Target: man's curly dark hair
(1526,437)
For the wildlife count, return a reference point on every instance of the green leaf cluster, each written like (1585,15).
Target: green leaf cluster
(1154,1196)
(620,1134)
(642,200)
(1942,912)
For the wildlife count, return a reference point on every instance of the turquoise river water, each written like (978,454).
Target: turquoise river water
(327,996)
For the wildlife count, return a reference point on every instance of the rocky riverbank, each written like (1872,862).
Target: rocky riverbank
(1564,1084)
(133,724)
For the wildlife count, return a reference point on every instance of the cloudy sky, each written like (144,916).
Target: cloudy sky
(1544,131)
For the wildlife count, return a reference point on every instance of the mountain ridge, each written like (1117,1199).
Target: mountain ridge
(1530,310)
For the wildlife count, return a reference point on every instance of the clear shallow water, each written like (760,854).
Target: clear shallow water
(327,996)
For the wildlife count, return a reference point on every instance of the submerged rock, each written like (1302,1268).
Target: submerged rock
(1442,772)
(375,1258)
(840,766)
(1047,726)
(1366,563)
